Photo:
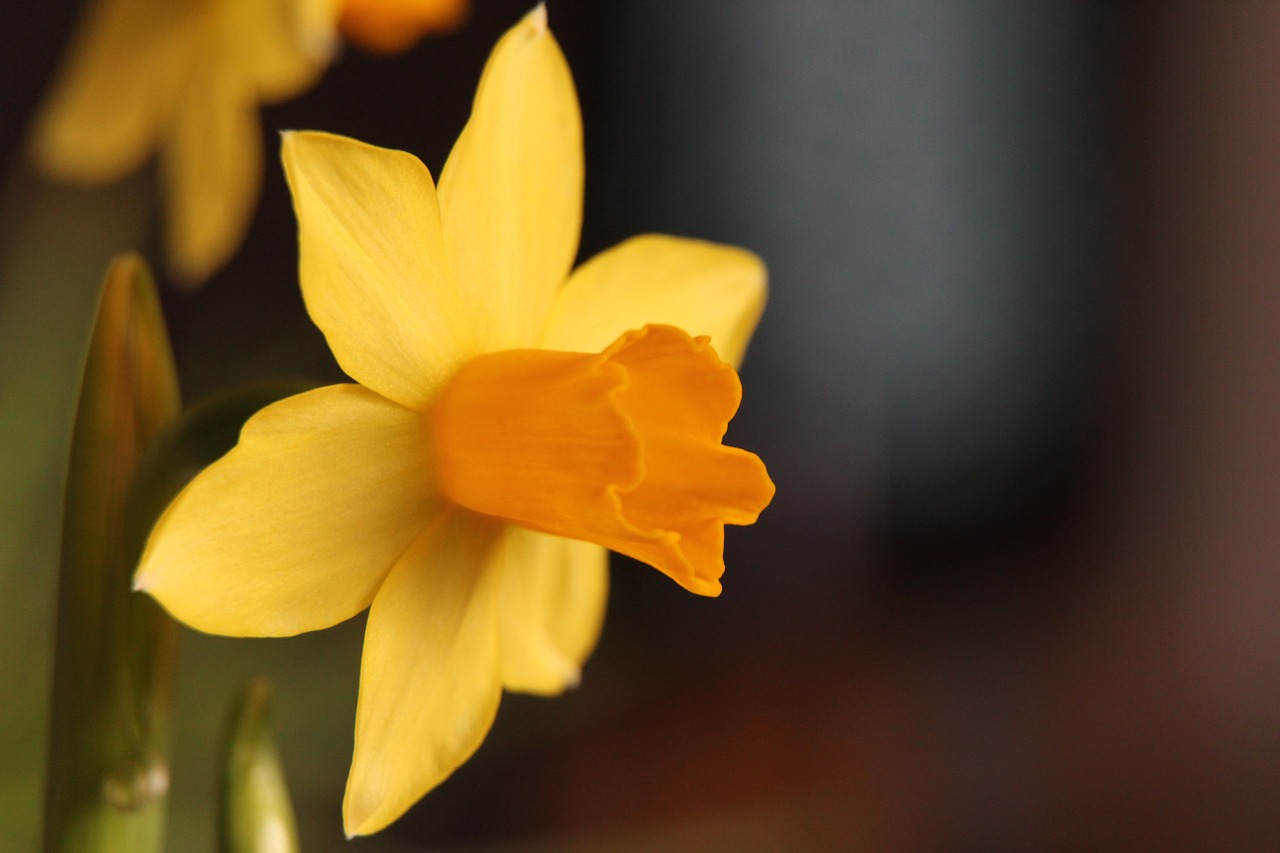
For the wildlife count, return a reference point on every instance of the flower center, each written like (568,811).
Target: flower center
(621,448)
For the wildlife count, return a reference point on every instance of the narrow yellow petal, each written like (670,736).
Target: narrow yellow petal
(116,91)
(511,191)
(551,608)
(297,526)
(373,266)
(212,167)
(430,677)
(703,288)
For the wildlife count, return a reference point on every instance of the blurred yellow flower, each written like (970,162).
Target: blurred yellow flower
(511,419)
(184,80)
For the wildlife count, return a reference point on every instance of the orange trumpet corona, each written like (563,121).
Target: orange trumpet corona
(621,448)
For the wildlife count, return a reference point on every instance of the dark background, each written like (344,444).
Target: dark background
(1018,385)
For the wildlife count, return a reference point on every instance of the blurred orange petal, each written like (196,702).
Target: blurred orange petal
(392,26)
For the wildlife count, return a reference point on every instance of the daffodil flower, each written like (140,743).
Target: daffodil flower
(511,422)
(390,26)
(184,80)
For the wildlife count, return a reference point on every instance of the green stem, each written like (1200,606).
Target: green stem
(114,651)
(55,242)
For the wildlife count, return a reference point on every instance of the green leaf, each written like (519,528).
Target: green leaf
(55,242)
(256,813)
(114,651)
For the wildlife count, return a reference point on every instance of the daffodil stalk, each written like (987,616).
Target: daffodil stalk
(108,761)
(48,296)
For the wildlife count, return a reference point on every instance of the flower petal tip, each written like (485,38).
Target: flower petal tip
(349,828)
(358,825)
(537,19)
(570,675)
(707,588)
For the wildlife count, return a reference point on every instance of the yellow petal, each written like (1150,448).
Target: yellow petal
(551,608)
(297,526)
(116,90)
(212,167)
(511,191)
(430,675)
(703,288)
(373,266)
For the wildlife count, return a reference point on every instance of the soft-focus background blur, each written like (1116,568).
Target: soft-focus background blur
(1018,385)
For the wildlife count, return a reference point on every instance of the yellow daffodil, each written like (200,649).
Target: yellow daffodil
(511,421)
(184,80)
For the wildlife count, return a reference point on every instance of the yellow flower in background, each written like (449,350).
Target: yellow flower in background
(183,79)
(510,422)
